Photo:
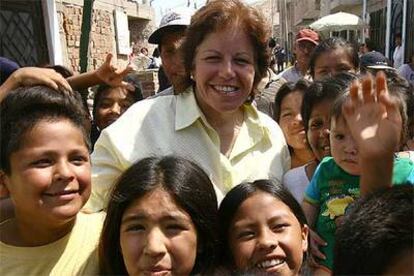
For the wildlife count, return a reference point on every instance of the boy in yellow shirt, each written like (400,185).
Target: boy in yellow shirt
(45,169)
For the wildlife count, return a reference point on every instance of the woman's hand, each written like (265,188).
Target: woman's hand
(373,117)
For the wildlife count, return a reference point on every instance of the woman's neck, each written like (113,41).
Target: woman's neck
(219,120)
(226,124)
(301,157)
(26,233)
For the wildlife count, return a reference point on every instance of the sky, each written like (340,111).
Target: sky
(163,6)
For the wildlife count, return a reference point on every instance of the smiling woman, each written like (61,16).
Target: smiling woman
(213,122)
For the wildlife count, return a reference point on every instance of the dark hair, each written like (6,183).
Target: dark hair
(286,89)
(331,44)
(178,29)
(237,195)
(218,15)
(271,43)
(192,190)
(400,90)
(100,92)
(375,232)
(370,44)
(404,92)
(25,107)
(156,52)
(336,109)
(67,73)
(64,71)
(327,89)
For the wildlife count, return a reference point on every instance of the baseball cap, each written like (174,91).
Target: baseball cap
(176,19)
(307,35)
(374,60)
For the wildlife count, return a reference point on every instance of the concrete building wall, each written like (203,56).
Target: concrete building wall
(269,8)
(305,12)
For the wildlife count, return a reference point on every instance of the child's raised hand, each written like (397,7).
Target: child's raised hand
(373,117)
(113,76)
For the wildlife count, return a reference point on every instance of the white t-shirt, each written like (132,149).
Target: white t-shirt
(398,57)
(291,74)
(296,181)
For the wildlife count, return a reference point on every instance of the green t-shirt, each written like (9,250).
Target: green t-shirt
(332,190)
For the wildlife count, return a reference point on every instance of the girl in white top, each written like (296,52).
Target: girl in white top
(287,112)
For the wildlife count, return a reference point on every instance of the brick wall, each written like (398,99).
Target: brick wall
(101,37)
(140,31)
(265,7)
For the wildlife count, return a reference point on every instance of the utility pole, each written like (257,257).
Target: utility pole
(404,28)
(364,18)
(285,26)
(272,15)
(84,39)
(388,29)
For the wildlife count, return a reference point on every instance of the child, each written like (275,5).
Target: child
(110,103)
(335,183)
(316,118)
(381,223)
(45,169)
(382,227)
(161,219)
(332,56)
(288,102)
(263,230)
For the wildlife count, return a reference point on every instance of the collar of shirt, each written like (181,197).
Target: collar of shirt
(252,131)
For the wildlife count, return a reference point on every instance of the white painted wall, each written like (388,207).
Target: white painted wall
(52,32)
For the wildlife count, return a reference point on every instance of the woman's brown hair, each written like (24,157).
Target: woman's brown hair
(219,15)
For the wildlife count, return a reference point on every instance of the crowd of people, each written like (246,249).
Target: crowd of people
(198,179)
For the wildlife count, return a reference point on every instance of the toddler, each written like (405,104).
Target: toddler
(335,183)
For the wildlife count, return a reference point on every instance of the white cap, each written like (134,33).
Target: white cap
(176,19)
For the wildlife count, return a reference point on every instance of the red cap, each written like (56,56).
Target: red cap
(307,35)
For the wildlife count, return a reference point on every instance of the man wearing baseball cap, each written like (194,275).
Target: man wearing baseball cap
(306,41)
(169,36)
(373,62)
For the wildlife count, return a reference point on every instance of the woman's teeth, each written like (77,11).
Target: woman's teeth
(225,89)
(269,263)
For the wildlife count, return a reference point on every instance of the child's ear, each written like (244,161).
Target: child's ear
(4,191)
(305,237)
